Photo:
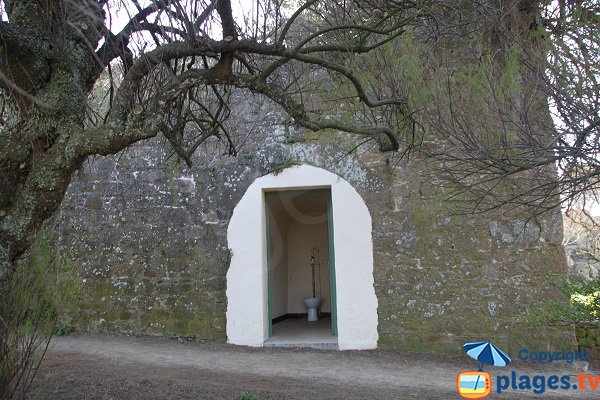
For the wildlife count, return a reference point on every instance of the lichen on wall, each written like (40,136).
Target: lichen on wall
(148,236)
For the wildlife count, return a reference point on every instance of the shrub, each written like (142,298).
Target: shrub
(38,292)
(581,309)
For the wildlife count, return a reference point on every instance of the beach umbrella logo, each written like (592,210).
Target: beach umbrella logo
(486,353)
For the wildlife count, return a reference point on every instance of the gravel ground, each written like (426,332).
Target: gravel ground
(125,367)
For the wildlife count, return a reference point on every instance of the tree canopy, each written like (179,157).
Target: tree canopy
(539,148)
(169,70)
(169,67)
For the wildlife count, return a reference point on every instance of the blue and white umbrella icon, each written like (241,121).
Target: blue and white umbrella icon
(486,353)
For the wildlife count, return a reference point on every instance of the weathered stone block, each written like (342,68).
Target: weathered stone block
(150,240)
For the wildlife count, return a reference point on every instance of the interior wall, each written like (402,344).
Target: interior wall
(302,238)
(279,222)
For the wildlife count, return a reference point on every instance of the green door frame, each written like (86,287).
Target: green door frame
(269,294)
(332,291)
(332,281)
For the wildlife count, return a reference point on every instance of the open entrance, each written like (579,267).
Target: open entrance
(251,303)
(300,263)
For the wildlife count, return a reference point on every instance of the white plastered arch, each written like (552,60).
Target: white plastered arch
(247,291)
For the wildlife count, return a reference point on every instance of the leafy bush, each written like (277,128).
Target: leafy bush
(64,330)
(583,305)
(585,299)
(580,306)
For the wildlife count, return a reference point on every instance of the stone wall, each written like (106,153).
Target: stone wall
(148,237)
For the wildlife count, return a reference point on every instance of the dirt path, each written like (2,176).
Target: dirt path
(122,367)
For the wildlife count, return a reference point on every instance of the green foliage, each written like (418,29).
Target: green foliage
(277,168)
(588,336)
(64,330)
(580,306)
(510,74)
(185,338)
(585,299)
(483,97)
(419,90)
(39,292)
(249,396)
(398,69)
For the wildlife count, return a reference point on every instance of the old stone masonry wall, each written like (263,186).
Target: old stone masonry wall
(147,236)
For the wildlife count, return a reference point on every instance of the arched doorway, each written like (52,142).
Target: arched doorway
(351,296)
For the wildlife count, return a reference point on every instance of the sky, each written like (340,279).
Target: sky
(594,208)
(239,8)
